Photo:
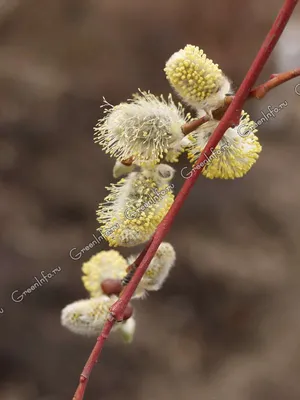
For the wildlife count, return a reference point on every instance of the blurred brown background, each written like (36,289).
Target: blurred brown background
(226,325)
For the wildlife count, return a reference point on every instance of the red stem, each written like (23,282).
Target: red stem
(260,91)
(262,57)
(93,358)
(231,117)
(137,262)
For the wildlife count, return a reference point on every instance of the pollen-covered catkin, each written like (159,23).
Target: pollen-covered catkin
(104,265)
(136,205)
(145,129)
(196,78)
(234,155)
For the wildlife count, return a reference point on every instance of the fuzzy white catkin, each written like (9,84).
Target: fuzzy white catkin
(87,317)
(146,129)
(158,270)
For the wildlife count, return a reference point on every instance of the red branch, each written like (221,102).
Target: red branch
(258,93)
(93,358)
(231,116)
(275,80)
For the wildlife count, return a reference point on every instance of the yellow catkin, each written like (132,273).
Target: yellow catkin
(135,206)
(104,265)
(197,79)
(235,154)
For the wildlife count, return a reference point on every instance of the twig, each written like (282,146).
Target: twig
(228,120)
(277,79)
(133,267)
(193,125)
(258,93)
(93,358)
(231,116)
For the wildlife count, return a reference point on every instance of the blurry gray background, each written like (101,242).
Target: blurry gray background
(226,325)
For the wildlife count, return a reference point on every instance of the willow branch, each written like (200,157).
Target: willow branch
(193,125)
(228,120)
(231,116)
(93,358)
(258,93)
(277,79)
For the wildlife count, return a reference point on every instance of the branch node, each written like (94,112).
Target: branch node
(83,378)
